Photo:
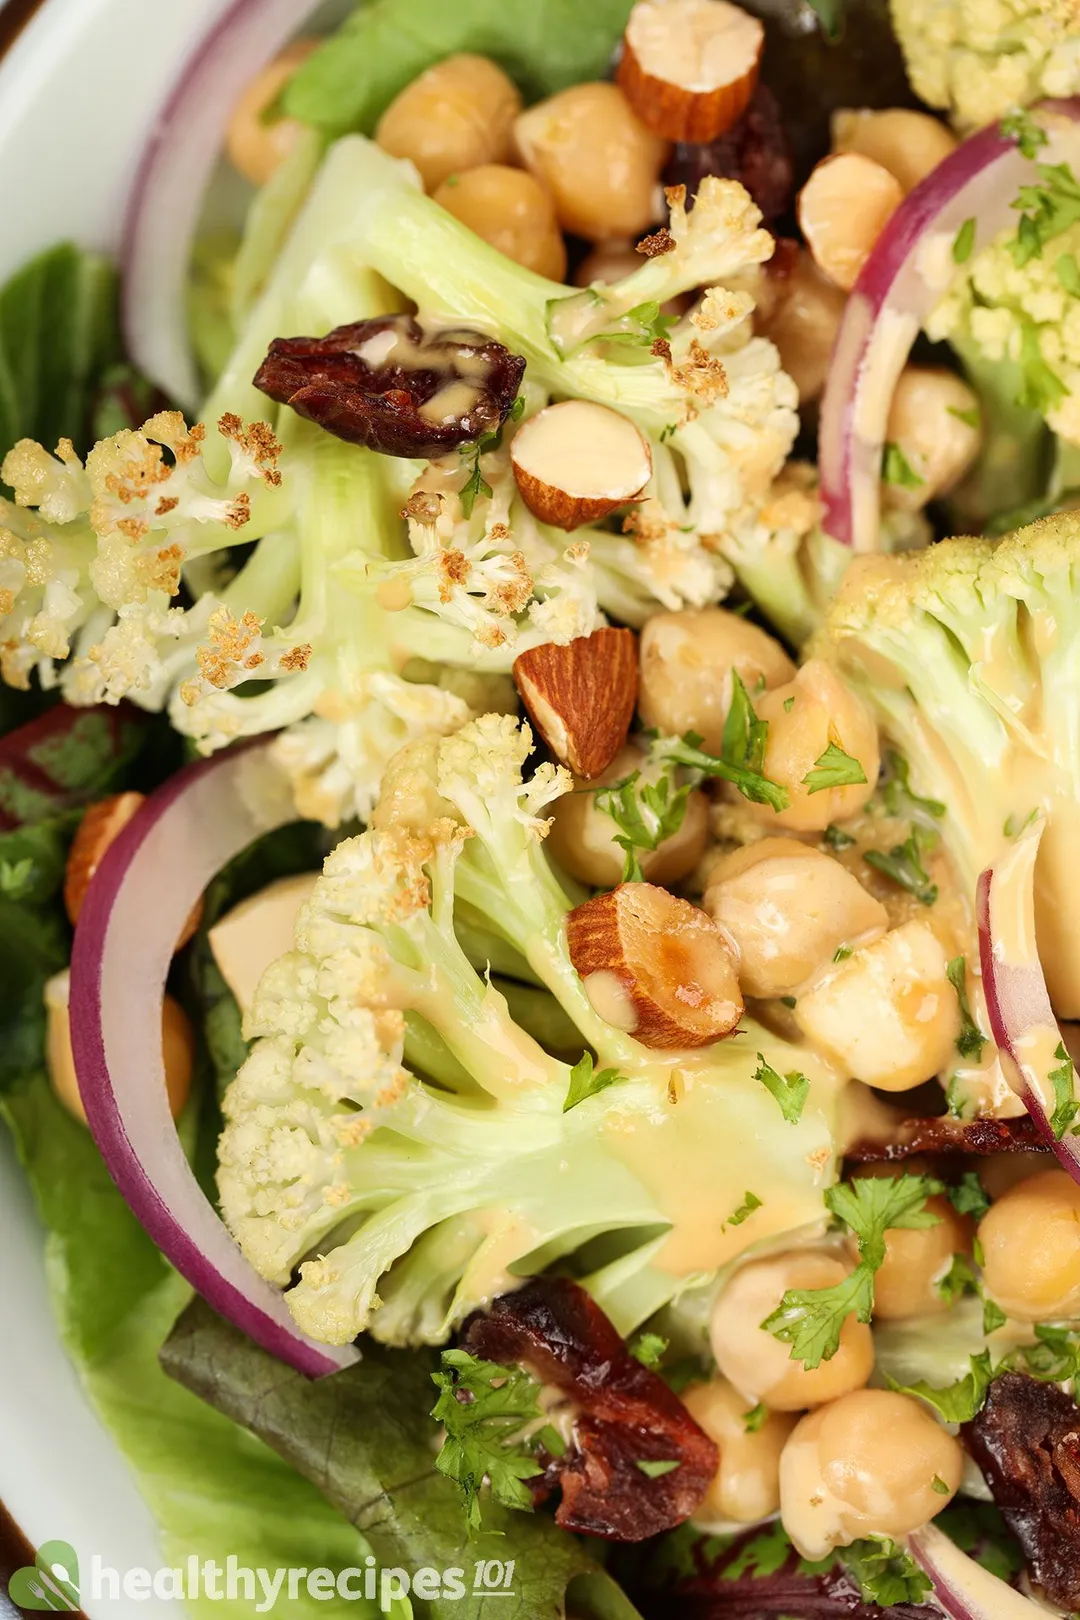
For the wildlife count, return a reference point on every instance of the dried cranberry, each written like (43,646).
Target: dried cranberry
(626,1415)
(943,1134)
(755,151)
(1026,1440)
(394,386)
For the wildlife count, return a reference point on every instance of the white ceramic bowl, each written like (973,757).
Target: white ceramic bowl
(79,91)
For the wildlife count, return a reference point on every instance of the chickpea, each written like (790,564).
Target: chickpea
(1031,1248)
(686,664)
(177,1039)
(916,1259)
(257,148)
(456,116)
(512,211)
(926,423)
(789,909)
(746,1486)
(596,157)
(805,716)
(869,1464)
(803,324)
(608,261)
(843,209)
(582,836)
(887,1014)
(759,1365)
(909,144)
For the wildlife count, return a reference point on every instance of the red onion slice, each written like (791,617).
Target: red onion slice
(144,888)
(903,280)
(962,1587)
(167,195)
(1017,1000)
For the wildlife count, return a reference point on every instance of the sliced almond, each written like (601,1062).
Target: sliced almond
(575,462)
(660,961)
(101,826)
(581,696)
(843,209)
(689,67)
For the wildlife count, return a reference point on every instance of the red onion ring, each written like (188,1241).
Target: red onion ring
(1022,1019)
(170,184)
(962,1587)
(903,280)
(145,886)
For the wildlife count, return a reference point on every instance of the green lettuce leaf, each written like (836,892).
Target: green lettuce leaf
(364,1437)
(214,1489)
(544,45)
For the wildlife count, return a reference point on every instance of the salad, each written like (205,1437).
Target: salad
(539,798)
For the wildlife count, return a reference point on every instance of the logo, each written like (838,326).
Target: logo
(50,1582)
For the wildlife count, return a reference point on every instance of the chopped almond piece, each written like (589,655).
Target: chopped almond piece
(659,962)
(689,67)
(575,462)
(581,696)
(100,827)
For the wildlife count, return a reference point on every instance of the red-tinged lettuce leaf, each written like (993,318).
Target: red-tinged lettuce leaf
(365,1439)
(759,1576)
(628,1420)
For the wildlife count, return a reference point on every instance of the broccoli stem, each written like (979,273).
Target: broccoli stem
(1014,464)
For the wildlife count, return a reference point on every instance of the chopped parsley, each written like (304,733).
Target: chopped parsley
(938,1484)
(646,813)
(1047,210)
(750,1202)
(964,242)
(476,484)
(790,1090)
(811,1319)
(1023,128)
(903,864)
(742,752)
(967,1196)
(886,1574)
(1054,1358)
(970,418)
(1041,389)
(897,469)
(585,1083)
(1066,1105)
(993,1316)
(756,1418)
(841,953)
(837,838)
(17,877)
(833,769)
(900,798)
(971,1040)
(648,1348)
(1014,826)
(657,1467)
(958,1280)
(483,1408)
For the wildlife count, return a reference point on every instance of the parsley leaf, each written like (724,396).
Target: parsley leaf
(886,1574)
(837,838)
(833,769)
(648,1349)
(900,798)
(790,1090)
(1049,209)
(483,1407)
(957,1402)
(1053,1359)
(756,1418)
(964,242)
(957,1280)
(1063,1080)
(993,1316)
(897,469)
(903,864)
(17,877)
(742,752)
(476,484)
(750,1202)
(939,1485)
(1022,128)
(645,813)
(584,1083)
(657,1467)
(811,1319)
(967,1196)
(971,1040)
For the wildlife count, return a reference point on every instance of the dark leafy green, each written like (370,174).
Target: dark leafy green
(58,333)
(364,1438)
(351,80)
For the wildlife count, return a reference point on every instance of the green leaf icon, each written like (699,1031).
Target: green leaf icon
(51,1582)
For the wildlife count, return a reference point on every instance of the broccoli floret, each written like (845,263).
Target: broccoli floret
(970,654)
(979,61)
(403,1144)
